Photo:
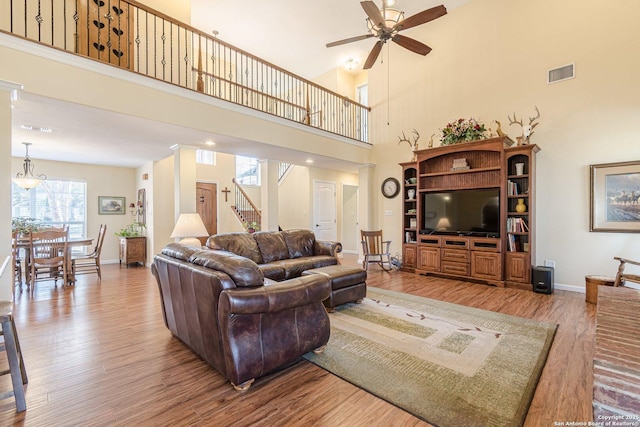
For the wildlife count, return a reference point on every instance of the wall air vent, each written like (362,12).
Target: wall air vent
(561,73)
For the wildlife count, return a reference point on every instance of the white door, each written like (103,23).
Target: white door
(350,239)
(324,210)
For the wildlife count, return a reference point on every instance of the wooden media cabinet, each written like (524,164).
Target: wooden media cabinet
(504,256)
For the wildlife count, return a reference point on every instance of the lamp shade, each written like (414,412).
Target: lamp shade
(443,224)
(189,225)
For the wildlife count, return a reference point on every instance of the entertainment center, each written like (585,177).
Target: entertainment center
(469,212)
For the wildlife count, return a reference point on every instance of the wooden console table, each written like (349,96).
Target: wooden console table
(616,360)
(133,250)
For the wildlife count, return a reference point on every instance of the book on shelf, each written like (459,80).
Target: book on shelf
(512,188)
(517,225)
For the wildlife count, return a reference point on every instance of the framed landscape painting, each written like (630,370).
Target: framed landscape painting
(109,205)
(615,197)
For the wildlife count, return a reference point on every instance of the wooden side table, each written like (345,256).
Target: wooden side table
(592,283)
(133,250)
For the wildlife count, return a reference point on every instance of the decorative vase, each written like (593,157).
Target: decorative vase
(411,193)
(521,207)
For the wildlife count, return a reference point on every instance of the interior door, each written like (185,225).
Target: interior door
(350,238)
(207,206)
(324,210)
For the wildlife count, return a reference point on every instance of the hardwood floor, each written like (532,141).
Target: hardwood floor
(99,354)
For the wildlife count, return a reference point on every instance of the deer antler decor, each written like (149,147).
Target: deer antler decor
(413,144)
(527,130)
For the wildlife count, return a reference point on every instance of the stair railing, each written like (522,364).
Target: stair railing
(245,209)
(129,35)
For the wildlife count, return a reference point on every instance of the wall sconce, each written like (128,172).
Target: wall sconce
(136,209)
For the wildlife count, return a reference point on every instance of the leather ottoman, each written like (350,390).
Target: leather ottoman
(348,284)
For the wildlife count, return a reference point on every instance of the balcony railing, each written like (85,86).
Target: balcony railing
(132,36)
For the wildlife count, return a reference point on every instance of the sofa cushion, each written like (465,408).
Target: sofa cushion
(299,242)
(272,245)
(243,271)
(242,244)
(180,251)
(273,271)
(295,267)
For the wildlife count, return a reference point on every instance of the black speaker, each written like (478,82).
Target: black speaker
(542,279)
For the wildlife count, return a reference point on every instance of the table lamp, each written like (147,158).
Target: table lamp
(189,227)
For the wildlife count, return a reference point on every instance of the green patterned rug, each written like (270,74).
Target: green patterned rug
(447,364)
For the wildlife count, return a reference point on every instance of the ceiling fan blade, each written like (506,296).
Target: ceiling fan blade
(349,40)
(421,18)
(373,55)
(373,12)
(411,44)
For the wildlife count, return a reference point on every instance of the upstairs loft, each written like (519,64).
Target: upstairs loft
(136,39)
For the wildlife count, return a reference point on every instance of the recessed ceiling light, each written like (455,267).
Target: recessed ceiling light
(36,128)
(209,143)
(309,161)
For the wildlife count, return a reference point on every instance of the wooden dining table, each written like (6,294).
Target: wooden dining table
(71,279)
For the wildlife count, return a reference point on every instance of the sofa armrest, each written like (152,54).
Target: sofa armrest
(277,297)
(323,247)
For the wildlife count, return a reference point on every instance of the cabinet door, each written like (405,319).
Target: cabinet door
(428,258)
(517,268)
(409,256)
(486,265)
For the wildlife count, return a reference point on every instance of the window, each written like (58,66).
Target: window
(55,203)
(247,171)
(206,157)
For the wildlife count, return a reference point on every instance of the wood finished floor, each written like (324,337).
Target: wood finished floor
(99,354)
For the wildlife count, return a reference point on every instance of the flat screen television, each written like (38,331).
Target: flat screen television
(474,212)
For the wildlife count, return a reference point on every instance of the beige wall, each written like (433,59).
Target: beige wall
(490,59)
(101,181)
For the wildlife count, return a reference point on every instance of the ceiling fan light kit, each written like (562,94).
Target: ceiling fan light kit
(385,23)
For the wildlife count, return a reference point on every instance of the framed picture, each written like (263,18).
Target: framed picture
(615,197)
(109,205)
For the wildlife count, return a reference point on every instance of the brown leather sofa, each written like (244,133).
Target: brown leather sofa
(217,304)
(281,255)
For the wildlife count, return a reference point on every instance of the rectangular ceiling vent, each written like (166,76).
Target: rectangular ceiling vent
(562,73)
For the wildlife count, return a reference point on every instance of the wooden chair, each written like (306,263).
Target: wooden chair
(88,263)
(375,249)
(623,277)
(48,255)
(16,261)
(11,345)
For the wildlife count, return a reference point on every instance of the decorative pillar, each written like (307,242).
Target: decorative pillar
(366,206)
(184,165)
(8,93)
(269,194)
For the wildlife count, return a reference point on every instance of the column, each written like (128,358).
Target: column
(184,165)
(269,194)
(365,201)
(8,93)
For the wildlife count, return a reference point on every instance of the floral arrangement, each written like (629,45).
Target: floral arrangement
(24,225)
(132,230)
(462,130)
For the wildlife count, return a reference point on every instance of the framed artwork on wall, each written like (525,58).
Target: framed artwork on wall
(110,205)
(615,197)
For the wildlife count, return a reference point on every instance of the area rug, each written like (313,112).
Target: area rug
(447,364)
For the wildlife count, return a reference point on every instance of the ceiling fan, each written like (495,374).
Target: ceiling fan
(386,23)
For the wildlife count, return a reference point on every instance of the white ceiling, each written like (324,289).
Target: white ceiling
(290,34)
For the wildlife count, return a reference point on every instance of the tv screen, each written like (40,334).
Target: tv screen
(472,212)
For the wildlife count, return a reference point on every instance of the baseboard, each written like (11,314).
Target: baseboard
(570,288)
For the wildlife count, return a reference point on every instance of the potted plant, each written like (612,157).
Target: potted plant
(25,225)
(251,227)
(131,230)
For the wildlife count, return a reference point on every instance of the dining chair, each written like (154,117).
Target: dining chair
(16,261)
(88,263)
(48,255)
(375,249)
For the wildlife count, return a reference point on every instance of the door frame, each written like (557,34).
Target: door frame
(343,222)
(315,203)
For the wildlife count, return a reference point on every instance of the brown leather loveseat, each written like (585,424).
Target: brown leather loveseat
(280,255)
(216,302)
